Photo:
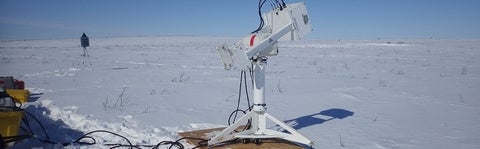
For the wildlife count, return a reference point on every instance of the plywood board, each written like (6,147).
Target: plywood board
(266,143)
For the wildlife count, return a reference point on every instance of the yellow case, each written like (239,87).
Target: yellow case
(18,94)
(10,123)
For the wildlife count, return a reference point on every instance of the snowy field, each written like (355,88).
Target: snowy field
(371,94)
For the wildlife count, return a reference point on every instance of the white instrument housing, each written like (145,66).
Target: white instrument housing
(290,23)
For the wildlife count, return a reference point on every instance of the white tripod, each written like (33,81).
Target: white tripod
(259,116)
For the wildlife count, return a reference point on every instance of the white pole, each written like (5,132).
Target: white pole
(259,85)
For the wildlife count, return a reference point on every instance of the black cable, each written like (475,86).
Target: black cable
(238,100)
(172,144)
(31,132)
(279,4)
(284,5)
(243,82)
(246,91)
(176,143)
(122,145)
(39,123)
(82,140)
(27,123)
(18,137)
(274,4)
(25,120)
(262,23)
(94,141)
(249,123)
(47,138)
(9,139)
(234,114)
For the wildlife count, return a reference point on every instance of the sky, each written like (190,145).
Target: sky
(330,19)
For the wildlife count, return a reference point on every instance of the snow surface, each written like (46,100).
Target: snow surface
(341,94)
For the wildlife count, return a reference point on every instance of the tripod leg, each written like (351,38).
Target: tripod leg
(229,132)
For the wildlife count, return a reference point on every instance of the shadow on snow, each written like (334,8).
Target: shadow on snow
(48,129)
(309,120)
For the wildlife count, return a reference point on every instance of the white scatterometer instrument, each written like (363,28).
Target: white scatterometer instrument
(289,23)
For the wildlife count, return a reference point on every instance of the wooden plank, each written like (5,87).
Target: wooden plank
(266,143)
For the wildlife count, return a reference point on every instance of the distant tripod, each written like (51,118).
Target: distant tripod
(85,54)
(85,43)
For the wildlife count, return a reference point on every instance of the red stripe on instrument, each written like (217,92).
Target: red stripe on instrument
(252,39)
